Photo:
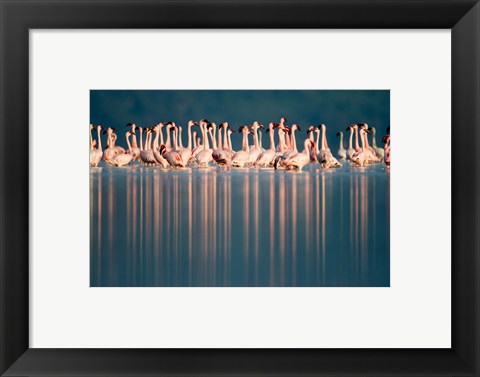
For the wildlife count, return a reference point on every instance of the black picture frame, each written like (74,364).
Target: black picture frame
(19,16)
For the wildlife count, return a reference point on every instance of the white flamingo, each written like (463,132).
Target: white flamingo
(223,155)
(110,151)
(299,160)
(241,158)
(313,154)
(123,159)
(96,154)
(156,147)
(361,158)
(378,151)
(204,157)
(186,153)
(146,153)
(341,153)
(267,157)
(255,151)
(350,151)
(325,156)
(135,148)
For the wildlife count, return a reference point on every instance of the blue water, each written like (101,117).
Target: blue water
(152,227)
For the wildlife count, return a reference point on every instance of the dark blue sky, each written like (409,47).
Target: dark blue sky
(335,108)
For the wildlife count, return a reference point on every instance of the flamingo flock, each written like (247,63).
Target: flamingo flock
(209,145)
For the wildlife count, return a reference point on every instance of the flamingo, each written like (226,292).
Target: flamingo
(355,128)
(255,151)
(204,157)
(362,157)
(386,148)
(110,151)
(118,149)
(293,141)
(325,156)
(365,146)
(378,151)
(313,155)
(135,148)
(282,126)
(156,149)
(342,153)
(223,156)
(350,150)
(96,154)
(124,158)
(241,158)
(146,154)
(299,160)
(173,158)
(265,158)
(186,153)
(227,142)
(229,132)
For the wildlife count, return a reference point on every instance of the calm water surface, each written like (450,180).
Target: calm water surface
(241,228)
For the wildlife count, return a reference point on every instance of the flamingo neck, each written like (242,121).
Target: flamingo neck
(141,141)
(255,137)
(99,140)
(324,141)
(356,139)
(294,141)
(149,142)
(189,135)
(374,140)
(281,140)
(128,143)
(245,142)
(225,139)
(288,141)
(341,141)
(180,142)
(351,140)
(206,145)
(318,138)
(272,138)
(167,143)
(175,139)
(134,141)
(155,143)
(214,141)
(365,136)
(230,142)
(161,135)
(91,140)
(220,142)
(306,145)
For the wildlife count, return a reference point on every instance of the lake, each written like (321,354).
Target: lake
(153,227)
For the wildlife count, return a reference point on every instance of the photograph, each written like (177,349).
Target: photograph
(239,188)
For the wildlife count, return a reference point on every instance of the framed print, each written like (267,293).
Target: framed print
(195,242)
